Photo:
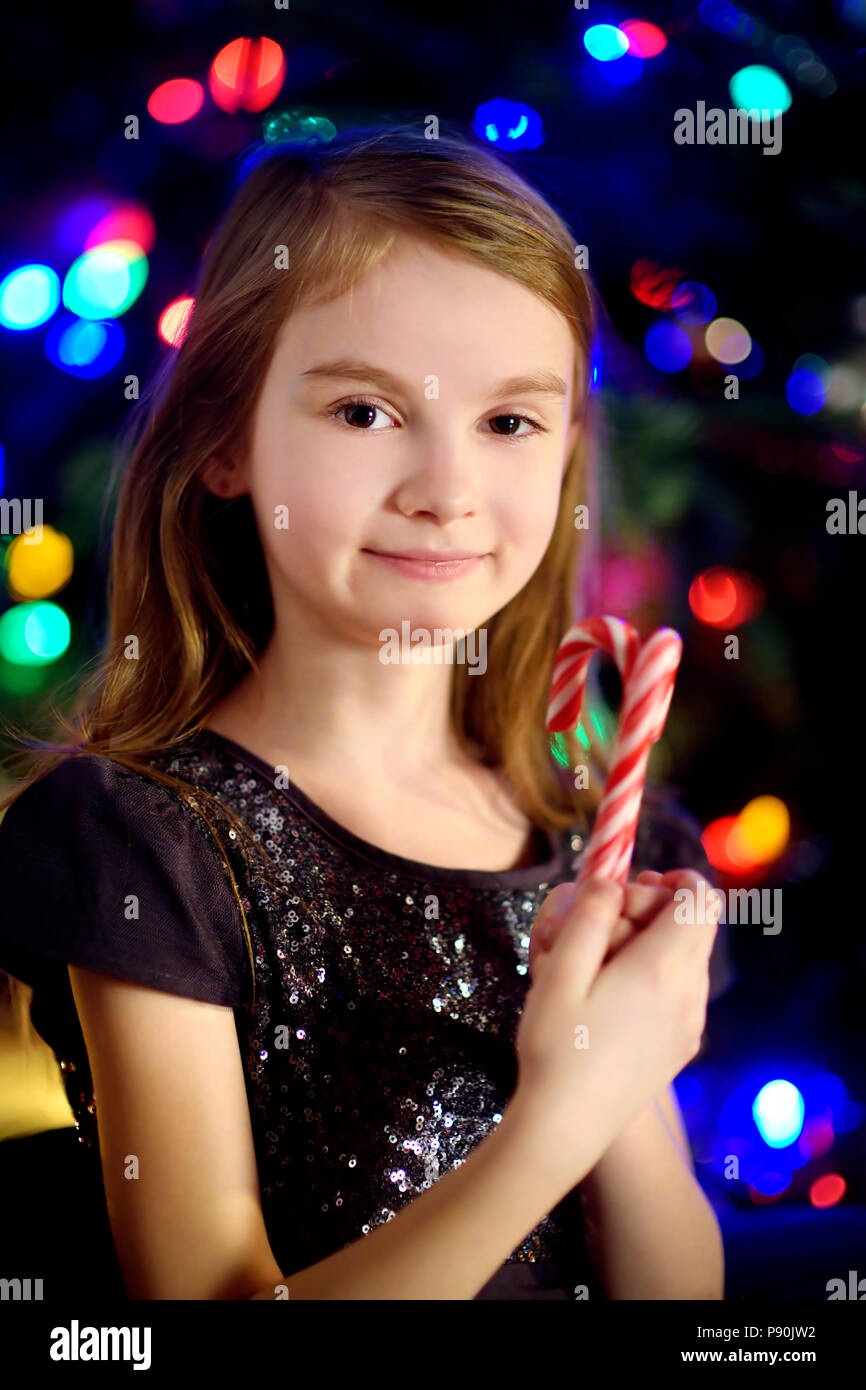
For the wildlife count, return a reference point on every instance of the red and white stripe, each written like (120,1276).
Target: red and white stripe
(648,671)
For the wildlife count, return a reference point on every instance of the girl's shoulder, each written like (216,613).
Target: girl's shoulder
(106,868)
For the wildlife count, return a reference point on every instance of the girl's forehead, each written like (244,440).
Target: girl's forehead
(422,290)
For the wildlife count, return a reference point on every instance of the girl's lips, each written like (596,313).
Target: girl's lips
(428,569)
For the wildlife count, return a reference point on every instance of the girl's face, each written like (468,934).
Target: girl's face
(433,460)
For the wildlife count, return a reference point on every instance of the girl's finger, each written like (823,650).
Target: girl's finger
(640,904)
(583,941)
(707,900)
(642,901)
(648,876)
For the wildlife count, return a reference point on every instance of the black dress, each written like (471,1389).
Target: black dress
(376,1024)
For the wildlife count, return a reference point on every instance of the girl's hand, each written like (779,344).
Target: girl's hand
(603,1029)
(642,899)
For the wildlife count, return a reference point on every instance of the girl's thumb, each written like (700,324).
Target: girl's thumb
(553,911)
(597,907)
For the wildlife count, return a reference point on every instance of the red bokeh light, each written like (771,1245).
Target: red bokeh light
(174,320)
(176,101)
(645,40)
(828,1190)
(247,74)
(654,284)
(127,223)
(716,840)
(725,598)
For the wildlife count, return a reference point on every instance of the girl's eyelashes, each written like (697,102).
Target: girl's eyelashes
(537,426)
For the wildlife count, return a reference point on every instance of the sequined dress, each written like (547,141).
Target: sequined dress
(376,999)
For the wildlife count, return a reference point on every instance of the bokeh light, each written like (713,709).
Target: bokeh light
(105,282)
(645,40)
(719,15)
(622,73)
(751,365)
(759,88)
(605,42)
(247,74)
(35,569)
(175,101)
(778,1112)
(85,348)
(828,1190)
(653,284)
(728,341)
(762,830)
(804,392)
(129,222)
(693,303)
(174,320)
(668,347)
(722,597)
(508,124)
(769,1182)
(817,1137)
(28,296)
(33,634)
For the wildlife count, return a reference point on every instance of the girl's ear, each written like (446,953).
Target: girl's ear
(222,477)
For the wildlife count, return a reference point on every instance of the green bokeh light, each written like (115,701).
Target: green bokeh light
(760,88)
(33,634)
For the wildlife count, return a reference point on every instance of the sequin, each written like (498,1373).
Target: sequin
(401,1029)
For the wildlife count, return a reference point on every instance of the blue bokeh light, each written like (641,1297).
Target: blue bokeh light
(804,392)
(719,15)
(751,365)
(85,347)
(623,73)
(667,346)
(693,303)
(508,124)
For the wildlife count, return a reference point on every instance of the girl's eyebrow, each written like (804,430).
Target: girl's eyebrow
(541,382)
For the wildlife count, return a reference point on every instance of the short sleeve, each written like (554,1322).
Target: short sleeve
(106,869)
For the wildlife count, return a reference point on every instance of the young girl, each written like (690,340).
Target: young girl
(290,882)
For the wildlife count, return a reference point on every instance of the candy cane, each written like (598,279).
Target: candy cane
(648,671)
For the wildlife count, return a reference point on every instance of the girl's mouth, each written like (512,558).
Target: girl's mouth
(428,569)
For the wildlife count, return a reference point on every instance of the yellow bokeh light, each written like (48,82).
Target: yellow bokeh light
(39,568)
(762,829)
(728,341)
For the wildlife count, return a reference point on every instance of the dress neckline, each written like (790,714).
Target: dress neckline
(529,876)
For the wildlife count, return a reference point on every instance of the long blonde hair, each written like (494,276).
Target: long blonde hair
(187,575)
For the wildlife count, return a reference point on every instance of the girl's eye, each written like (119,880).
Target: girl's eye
(369,409)
(364,407)
(536,427)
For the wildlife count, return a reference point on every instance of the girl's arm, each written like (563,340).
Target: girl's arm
(651,1233)
(182,1187)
